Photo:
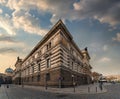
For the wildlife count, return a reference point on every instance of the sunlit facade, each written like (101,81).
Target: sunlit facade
(55,61)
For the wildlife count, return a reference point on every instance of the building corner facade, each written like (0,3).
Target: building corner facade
(55,61)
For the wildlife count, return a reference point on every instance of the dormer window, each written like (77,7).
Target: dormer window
(48,46)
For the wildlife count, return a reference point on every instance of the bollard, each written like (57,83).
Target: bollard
(7,86)
(96,89)
(88,89)
(74,88)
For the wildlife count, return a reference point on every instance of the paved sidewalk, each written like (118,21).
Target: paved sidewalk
(83,89)
(3,93)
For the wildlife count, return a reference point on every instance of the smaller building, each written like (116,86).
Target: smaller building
(9,74)
(17,72)
(9,71)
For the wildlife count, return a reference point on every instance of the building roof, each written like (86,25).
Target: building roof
(9,70)
(55,28)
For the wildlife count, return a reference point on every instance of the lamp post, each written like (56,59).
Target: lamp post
(73,81)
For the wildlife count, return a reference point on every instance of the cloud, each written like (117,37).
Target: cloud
(106,11)
(58,9)
(1,11)
(95,47)
(27,22)
(117,38)
(7,50)
(6,24)
(6,38)
(105,48)
(20,18)
(11,42)
(77,6)
(105,59)
(2,1)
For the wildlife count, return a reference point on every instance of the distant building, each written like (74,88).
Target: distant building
(9,71)
(55,61)
(17,72)
(2,78)
(9,74)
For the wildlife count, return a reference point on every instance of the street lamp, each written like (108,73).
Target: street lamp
(73,81)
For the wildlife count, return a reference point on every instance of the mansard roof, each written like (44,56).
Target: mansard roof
(54,29)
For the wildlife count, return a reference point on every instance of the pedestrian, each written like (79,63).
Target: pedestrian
(92,81)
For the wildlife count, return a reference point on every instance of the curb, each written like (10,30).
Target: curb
(58,91)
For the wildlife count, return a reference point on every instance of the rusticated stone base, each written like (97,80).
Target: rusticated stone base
(56,77)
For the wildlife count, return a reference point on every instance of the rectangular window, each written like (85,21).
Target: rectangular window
(32,78)
(28,70)
(32,69)
(48,46)
(77,67)
(38,78)
(39,67)
(48,63)
(72,65)
(47,76)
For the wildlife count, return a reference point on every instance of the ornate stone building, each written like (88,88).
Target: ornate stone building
(55,61)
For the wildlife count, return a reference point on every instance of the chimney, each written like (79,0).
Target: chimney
(18,58)
(86,49)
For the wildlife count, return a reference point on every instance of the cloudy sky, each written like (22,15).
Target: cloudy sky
(93,23)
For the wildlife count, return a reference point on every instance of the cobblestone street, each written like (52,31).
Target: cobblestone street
(17,92)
